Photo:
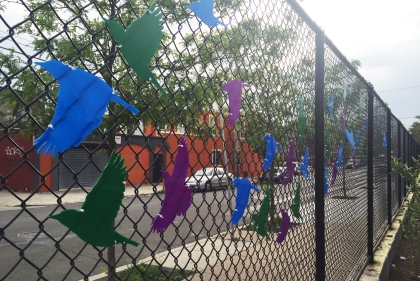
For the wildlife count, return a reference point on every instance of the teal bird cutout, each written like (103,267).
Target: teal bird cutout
(260,219)
(93,222)
(296,203)
(140,41)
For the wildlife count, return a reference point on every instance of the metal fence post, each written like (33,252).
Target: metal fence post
(399,159)
(319,158)
(370,175)
(389,168)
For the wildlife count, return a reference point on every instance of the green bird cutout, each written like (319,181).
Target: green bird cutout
(260,219)
(93,222)
(140,41)
(301,119)
(328,145)
(296,203)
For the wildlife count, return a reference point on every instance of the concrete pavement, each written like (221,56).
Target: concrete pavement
(12,200)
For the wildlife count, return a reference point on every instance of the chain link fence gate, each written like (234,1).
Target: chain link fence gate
(268,44)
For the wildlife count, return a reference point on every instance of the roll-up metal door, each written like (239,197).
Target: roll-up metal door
(87,176)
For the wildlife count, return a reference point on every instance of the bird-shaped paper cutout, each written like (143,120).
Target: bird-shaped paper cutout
(140,41)
(325,180)
(284,228)
(290,167)
(301,119)
(93,222)
(296,203)
(304,164)
(350,137)
(334,174)
(261,218)
(340,155)
(178,196)
(330,106)
(243,190)
(357,144)
(354,160)
(342,119)
(234,89)
(328,145)
(82,102)
(204,11)
(345,91)
(384,144)
(271,147)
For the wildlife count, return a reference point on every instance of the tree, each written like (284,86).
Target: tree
(415,129)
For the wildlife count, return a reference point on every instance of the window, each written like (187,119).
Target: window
(180,129)
(216,157)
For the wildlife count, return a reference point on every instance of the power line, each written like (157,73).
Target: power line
(20,53)
(399,89)
(2,31)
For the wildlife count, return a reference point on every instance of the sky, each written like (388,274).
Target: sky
(385,36)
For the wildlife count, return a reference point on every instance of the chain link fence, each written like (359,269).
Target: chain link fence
(270,45)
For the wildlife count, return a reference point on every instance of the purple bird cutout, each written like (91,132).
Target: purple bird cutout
(290,168)
(234,89)
(177,196)
(342,120)
(284,228)
(334,174)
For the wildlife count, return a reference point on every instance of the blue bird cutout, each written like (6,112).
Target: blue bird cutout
(243,189)
(358,139)
(304,164)
(330,106)
(270,151)
(82,101)
(340,155)
(204,11)
(350,137)
(385,144)
(325,180)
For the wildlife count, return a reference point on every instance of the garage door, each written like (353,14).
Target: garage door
(76,159)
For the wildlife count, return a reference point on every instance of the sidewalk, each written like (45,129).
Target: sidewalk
(74,195)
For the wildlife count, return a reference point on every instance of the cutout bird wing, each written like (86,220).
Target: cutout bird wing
(296,203)
(290,167)
(105,198)
(325,180)
(330,106)
(304,164)
(243,190)
(234,89)
(177,196)
(204,11)
(334,174)
(270,151)
(384,144)
(284,228)
(350,137)
(340,155)
(260,219)
(140,41)
(82,102)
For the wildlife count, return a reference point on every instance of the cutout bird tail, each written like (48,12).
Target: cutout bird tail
(117,99)
(156,83)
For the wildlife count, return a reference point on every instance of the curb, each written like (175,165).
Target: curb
(384,255)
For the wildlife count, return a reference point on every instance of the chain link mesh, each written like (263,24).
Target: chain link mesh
(268,45)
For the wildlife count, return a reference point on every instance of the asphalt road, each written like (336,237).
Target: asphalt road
(36,248)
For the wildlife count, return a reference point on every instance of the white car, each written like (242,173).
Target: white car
(209,178)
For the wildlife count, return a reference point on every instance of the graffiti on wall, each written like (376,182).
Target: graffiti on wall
(12,156)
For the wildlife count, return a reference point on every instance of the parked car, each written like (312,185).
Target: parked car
(208,178)
(279,175)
